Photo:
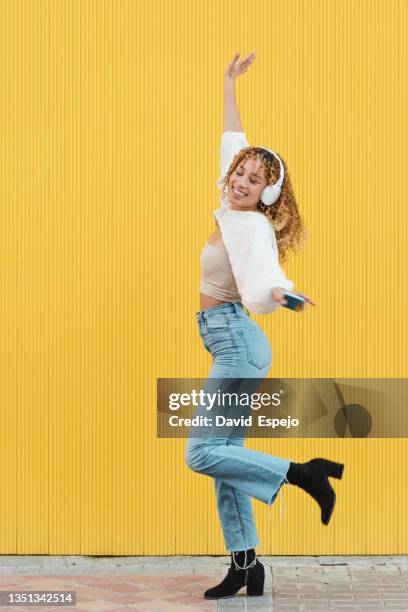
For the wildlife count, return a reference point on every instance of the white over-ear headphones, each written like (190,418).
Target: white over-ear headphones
(271,193)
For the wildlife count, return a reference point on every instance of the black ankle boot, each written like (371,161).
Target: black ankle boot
(312,477)
(250,574)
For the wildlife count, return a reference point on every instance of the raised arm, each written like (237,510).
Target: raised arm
(233,138)
(232,120)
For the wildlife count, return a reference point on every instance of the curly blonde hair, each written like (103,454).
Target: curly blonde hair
(284,214)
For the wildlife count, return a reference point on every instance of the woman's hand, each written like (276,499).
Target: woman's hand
(236,68)
(277,295)
(308,299)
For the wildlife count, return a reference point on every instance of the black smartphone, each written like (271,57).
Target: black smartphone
(294,301)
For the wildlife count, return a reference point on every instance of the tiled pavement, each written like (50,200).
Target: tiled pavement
(342,584)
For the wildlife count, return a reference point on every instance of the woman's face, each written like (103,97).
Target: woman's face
(245,185)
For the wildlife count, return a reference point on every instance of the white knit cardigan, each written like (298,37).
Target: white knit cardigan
(250,242)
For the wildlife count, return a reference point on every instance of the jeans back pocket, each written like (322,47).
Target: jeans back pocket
(258,349)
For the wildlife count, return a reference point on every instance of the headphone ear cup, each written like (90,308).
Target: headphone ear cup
(270,194)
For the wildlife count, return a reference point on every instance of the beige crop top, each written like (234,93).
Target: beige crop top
(217,279)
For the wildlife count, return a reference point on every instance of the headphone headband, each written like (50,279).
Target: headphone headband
(281,168)
(271,193)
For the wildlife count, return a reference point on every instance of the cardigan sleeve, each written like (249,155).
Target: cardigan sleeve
(253,253)
(231,144)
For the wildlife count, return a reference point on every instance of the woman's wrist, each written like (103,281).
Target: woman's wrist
(229,83)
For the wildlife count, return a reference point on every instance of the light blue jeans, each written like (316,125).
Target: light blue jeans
(240,350)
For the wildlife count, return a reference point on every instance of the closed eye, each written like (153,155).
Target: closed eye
(253,182)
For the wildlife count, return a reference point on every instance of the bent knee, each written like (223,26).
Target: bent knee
(195,459)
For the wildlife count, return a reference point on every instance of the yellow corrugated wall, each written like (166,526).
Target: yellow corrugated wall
(111,116)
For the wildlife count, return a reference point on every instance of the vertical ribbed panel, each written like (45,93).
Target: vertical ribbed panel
(111,116)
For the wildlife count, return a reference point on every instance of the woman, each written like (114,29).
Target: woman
(257,223)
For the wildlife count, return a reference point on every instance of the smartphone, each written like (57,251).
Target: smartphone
(294,301)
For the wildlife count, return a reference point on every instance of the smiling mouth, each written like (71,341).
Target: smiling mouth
(238,193)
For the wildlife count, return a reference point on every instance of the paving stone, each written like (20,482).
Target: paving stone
(395,589)
(246,603)
(342,597)
(307,601)
(369,596)
(341,609)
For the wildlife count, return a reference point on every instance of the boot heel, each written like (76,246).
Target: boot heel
(334,469)
(256,587)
